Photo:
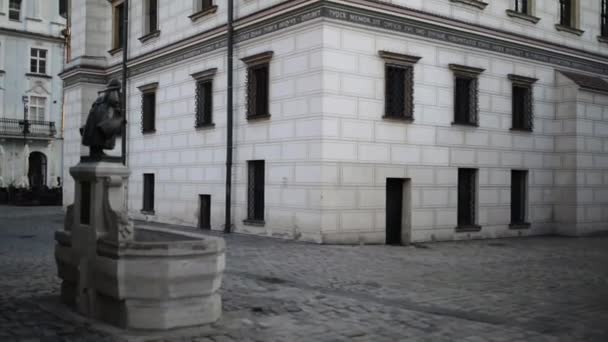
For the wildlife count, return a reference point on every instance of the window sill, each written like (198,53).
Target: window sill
(258,117)
(205,126)
(149,36)
(474,3)
(465,124)
(519,226)
(115,51)
(406,119)
(148,212)
(602,39)
(523,16)
(198,15)
(567,29)
(31,74)
(524,130)
(468,228)
(148,132)
(255,223)
(33,19)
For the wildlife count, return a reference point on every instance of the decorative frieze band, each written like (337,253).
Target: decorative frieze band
(370,19)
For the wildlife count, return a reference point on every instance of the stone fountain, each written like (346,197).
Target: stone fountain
(133,278)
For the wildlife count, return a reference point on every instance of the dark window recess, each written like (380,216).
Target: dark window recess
(148,113)
(467,198)
(604,32)
(205,5)
(399,92)
(465,101)
(152,16)
(204,103)
(85,203)
(63,8)
(522,6)
(14,10)
(148,200)
(518,196)
(204,219)
(522,107)
(257,90)
(565,13)
(119,16)
(255,192)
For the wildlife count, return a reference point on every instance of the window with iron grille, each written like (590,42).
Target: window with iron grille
(466,106)
(38,61)
(118,24)
(14,10)
(148,199)
(522,6)
(566,13)
(151,16)
(258,84)
(604,32)
(467,197)
(204,103)
(255,191)
(519,185)
(399,85)
(522,102)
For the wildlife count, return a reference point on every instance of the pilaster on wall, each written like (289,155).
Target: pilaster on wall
(582,146)
(91,32)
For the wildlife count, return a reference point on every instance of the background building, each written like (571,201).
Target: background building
(358,121)
(31,57)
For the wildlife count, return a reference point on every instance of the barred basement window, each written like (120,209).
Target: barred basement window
(14,10)
(399,85)
(255,192)
(148,199)
(519,187)
(148,108)
(467,199)
(466,88)
(204,97)
(522,102)
(258,85)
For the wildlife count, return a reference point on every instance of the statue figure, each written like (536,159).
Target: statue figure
(104,122)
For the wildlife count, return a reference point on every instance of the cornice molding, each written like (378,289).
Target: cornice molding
(466,70)
(398,58)
(522,79)
(32,35)
(204,75)
(474,3)
(260,58)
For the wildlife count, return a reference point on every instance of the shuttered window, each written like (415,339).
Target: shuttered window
(255,199)
(467,197)
(519,192)
(204,103)
(148,200)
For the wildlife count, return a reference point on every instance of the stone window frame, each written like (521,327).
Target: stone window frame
(18,10)
(147,90)
(255,63)
(149,32)
(530,13)
(406,63)
(523,201)
(573,26)
(473,3)
(473,199)
(36,104)
(256,189)
(200,11)
(117,37)
(471,74)
(40,62)
(528,119)
(205,76)
(148,193)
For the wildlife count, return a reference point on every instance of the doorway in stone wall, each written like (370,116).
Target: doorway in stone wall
(398,211)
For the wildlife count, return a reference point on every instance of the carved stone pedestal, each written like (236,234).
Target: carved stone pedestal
(145,278)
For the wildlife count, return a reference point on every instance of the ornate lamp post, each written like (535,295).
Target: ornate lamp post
(25,123)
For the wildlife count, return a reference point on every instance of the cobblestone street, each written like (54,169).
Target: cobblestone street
(536,289)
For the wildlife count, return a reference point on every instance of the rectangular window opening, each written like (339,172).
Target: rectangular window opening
(14,10)
(519,185)
(204,220)
(566,13)
(38,61)
(149,112)
(203,5)
(522,6)
(258,90)
(604,18)
(152,16)
(464,103)
(204,103)
(148,200)
(255,199)
(118,25)
(398,94)
(467,197)
(522,110)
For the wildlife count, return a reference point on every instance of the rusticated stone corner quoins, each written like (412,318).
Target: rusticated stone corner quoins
(341,13)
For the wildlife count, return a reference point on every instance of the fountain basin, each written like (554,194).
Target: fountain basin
(162,279)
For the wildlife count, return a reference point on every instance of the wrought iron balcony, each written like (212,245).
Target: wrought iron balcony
(28,128)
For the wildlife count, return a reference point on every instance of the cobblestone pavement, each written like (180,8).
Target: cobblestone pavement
(536,289)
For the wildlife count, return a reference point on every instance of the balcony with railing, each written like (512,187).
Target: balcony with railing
(16,128)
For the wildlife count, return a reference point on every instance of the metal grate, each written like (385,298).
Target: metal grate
(399,91)
(518,196)
(148,112)
(205,212)
(466,196)
(255,191)
(257,90)
(522,107)
(148,200)
(204,103)
(466,101)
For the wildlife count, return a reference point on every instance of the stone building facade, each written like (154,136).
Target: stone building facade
(358,121)
(31,57)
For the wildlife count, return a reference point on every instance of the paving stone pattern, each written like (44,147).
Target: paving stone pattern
(535,289)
